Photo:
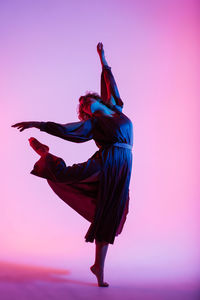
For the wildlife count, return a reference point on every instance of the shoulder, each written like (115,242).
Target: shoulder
(116,108)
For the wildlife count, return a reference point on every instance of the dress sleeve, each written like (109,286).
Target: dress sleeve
(109,88)
(77,132)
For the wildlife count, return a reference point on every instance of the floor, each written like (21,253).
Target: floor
(19,281)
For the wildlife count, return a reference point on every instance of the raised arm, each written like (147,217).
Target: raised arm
(101,53)
(77,132)
(109,90)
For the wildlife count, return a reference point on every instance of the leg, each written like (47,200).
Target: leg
(98,267)
(54,168)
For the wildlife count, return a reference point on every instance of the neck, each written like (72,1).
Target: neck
(104,112)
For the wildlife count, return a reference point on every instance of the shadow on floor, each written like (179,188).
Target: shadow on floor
(21,273)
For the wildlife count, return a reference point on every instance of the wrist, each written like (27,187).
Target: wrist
(36,124)
(42,126)
(102,55)
(104,62)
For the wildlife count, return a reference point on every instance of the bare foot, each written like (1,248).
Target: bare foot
(99,275)
(41,149)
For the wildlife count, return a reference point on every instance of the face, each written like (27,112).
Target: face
(90,105)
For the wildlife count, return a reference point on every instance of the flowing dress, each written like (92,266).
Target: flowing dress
(97,189)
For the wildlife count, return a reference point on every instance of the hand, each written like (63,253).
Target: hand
(100,49)
(25,125)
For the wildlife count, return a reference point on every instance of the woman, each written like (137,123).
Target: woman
(97,189)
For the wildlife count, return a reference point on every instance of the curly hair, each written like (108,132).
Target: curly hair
(82,115)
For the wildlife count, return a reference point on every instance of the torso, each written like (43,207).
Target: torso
(113,127)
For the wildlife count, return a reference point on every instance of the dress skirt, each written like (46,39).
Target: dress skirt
(95,189)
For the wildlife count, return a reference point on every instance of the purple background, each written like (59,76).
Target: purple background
(48,59)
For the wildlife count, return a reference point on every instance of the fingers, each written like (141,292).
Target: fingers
(21,126)
(16,125)
(100,46)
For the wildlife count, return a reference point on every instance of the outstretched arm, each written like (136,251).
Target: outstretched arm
(109,90)
(77,132)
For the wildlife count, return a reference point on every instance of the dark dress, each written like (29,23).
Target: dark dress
(97,189)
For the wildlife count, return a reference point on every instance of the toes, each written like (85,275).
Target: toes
(99,277)
(104,284)
(32,140)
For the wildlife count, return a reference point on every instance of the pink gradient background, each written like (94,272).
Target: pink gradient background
(48,59)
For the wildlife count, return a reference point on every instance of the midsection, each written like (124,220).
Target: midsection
(111,130)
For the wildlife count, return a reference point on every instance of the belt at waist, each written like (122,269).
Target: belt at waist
(123,145)
(118,144)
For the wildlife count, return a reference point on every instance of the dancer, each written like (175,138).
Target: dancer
(97,189)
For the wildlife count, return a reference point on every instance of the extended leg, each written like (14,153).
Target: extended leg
(54,168)
(98,267)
